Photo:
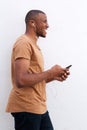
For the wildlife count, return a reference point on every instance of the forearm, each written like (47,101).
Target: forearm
(49,80)
(29,80)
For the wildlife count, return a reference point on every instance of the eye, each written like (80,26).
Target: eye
(45,21)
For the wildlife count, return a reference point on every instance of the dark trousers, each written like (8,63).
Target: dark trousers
(31,121)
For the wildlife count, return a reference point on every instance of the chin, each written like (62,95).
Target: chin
(43,36)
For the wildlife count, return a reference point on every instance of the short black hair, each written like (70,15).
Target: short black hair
(32,14)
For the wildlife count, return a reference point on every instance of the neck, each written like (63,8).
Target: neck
(31,35)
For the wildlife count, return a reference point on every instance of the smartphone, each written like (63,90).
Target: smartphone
(68,66)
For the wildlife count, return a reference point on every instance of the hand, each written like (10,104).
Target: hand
(57,71)
(63,77)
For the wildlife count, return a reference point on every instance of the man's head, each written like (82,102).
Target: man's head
(37,20)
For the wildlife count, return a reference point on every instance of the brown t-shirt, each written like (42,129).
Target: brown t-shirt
(27,99)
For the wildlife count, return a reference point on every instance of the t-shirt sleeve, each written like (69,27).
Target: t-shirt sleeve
(22,50)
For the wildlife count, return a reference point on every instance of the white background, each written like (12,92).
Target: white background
(66,43)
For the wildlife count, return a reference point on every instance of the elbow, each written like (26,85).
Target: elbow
(19,83)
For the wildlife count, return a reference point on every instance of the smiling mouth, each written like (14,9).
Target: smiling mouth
(45,30)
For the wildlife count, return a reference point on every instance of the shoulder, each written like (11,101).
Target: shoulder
(22,48)
(22,41)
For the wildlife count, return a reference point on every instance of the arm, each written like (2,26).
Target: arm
(22,76)
(25,79)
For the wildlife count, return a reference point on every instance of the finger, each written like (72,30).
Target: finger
(63,77)
(67,72)
(59,79)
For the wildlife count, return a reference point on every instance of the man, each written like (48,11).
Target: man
(27,101)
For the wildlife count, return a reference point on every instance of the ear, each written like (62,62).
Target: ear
(32,23)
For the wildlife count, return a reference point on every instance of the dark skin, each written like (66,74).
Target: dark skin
(34,29)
